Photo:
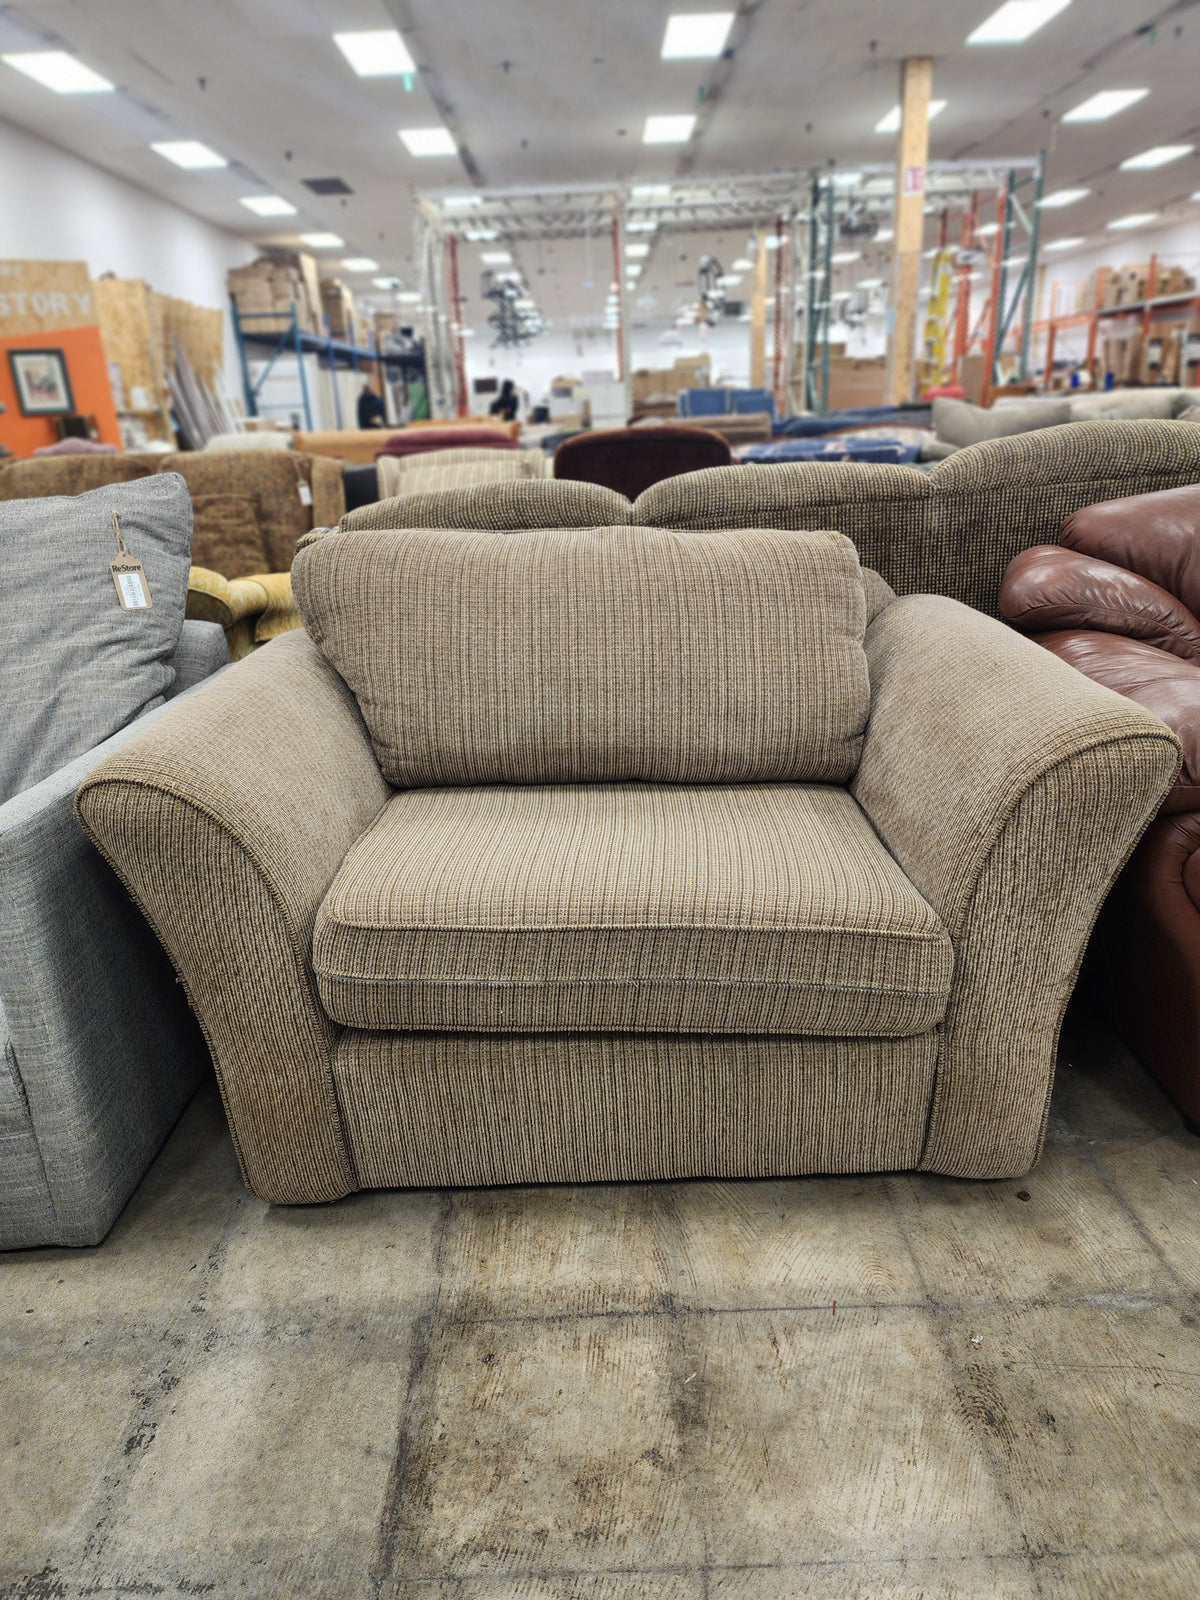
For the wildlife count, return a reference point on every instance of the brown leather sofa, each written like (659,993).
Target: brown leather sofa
(1119,599)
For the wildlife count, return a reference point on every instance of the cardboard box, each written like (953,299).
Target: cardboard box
(857,381)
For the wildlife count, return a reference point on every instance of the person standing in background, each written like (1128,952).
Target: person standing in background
(372,413)
(506,404)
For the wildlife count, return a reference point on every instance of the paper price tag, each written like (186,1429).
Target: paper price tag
(305,493)
(133,590)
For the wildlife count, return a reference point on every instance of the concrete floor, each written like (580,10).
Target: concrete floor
(616,1392)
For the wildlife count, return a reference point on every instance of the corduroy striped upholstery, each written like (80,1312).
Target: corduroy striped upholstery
(585,655)
(628,907)
(531,503)
(954,530)
(432,471)
(1006,788)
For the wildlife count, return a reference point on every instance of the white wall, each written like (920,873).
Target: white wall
(55,207)
(1175,246)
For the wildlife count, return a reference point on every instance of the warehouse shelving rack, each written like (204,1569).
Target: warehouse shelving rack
(293,340)
(1098,314)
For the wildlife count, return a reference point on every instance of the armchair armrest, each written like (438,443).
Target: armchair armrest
(227,821)
(1012,791)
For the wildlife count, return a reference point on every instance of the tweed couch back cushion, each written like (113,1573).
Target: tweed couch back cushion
(45,475)
(74,666)
(885,510)
(273,479)
(527,503)
(574,656)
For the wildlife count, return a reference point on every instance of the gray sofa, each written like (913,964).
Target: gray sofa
(98,1050)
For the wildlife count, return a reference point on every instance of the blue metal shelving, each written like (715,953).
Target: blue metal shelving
(292,340)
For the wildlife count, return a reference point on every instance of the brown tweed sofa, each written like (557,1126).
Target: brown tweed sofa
(698,854)
(951,531)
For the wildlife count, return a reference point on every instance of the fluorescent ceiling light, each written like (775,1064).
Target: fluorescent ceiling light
(495,258)
(668,130)
(268,205)
(1016,21)
(428,141)
(847,180)
(1064,197)
(360,264)
(55,69)
(987,230)
(525,304)
(650,191)
(480,235)
(885,235)
(386,283)
(891,123)
(641,225)
(637,250)
(189,153)
(842,258)
(730,280)
(869,283)
(461,202)
(772,241)
(743,264)
(693,34)
(1064,244)
(633,269)
(322,241)
(1136,219)
(1158,157)
(466,333)
(1105,104)
(409,297)
(378,53)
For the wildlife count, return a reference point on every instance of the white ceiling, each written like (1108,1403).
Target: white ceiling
(546,92)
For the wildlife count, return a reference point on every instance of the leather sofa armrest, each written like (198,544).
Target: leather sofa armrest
(1049,586)
(1011,792)
(1164,684)
(227,820)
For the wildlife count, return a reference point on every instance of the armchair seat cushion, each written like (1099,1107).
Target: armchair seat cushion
(762,909)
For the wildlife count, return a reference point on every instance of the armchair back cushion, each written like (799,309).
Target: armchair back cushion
(1156,535)
(592,655)
(75,667)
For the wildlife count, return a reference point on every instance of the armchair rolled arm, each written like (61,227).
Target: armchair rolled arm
(227,820)
(1012,791)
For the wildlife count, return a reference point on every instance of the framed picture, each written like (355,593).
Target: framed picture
(41,381)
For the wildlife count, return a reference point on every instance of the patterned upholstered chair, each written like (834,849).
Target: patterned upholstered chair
(620,853)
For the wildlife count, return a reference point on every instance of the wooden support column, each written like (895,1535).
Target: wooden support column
(912,159)
(758,315)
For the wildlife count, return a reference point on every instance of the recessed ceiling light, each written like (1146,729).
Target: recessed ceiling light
(386,283)
(55,69)
(360,264)
(466,333)
(668,130)
(1158,157)
(730,280)
(322,241)
(377,53)
(987,230)
(891,122)
(1064,197)
(869,283)
(480,235)
(461,202)
(636,250)
(772,241)
(693,34)
(743,264)
(268,205)
(1105,104)
(641,225)
(884,235)
(1136,219)
(650,191)
(428,141)
(409,297)
(1016,21)
(189,153)
(525,304)
(842,258)
(495,258)
(1064,244)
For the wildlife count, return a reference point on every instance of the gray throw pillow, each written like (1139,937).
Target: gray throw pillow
(1134,405)
(959,422)
(75,667)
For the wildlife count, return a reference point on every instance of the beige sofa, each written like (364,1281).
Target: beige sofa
(577,854)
